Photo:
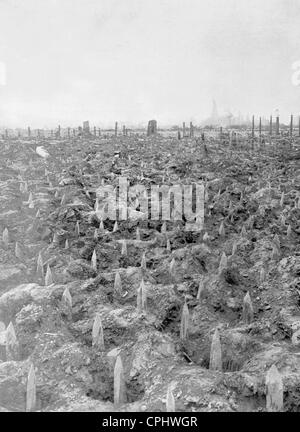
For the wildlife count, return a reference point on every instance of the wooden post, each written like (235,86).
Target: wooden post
(291,126)
(277,125)
(124,130)
(183,129)
(95,130)
(116,128)
(29,131)
(221,133)
(69,132)
(191,130)
(271,125)
(252,127)
(58,132)
(259,127)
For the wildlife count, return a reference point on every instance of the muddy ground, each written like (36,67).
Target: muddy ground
(244,190)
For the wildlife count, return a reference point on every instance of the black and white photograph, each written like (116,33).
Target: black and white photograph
(149,210)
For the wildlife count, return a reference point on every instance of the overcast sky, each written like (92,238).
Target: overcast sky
(133,60)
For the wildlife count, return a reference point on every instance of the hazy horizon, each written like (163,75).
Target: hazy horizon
(65,61)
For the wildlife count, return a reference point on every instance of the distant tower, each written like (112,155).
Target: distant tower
(214,114)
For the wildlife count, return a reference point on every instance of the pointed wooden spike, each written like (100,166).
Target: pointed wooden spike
(118,283)
(142,297)
(184,325)
(124,248)
(48,277)
(234,248)
(168,245)
(55,238)
(5,237)
(247,309)
(77,229)
(18,251)
(275,252)
(222,230)
(282,200)
(215,362)
(172,268)
(243,232)
(67,298)
(223,263)
(274,390)
(200,290)
(31,390)
(101,226)
(94,260)
(262,275)
(40,266)
(97,333)
(11,346)
(119,383)
(170,401)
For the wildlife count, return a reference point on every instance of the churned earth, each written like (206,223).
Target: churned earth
(252,203)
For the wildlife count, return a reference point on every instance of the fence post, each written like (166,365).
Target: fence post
(29,131)
(116,128)
(291,126)
(277,125)
(183,129)
(191,130)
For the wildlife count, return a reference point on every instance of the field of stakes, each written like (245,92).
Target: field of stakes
(141,315)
